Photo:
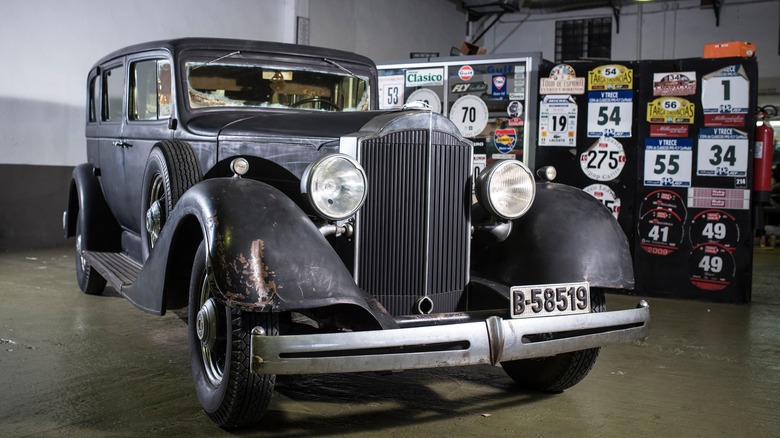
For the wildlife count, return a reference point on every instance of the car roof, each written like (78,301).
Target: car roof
(176,46)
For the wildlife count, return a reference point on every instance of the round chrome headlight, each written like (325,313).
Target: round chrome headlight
(335,186)
(506,189)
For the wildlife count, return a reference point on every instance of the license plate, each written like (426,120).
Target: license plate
(550,300)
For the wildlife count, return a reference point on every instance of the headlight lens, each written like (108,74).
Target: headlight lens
(335,186)
(506,189)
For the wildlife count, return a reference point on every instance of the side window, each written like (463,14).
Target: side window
(91,104)
(150,90)
(113,86)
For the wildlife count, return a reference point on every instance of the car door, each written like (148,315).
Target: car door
(149,110)
(110,145)
(92,127)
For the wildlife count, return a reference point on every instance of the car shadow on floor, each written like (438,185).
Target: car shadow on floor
(334,404)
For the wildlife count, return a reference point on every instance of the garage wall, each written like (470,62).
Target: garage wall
(387,30)
(660,30)
(49,45)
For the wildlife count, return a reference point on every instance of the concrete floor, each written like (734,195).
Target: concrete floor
(78,365)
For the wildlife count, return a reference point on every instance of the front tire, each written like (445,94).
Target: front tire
(560,372)
(219,339)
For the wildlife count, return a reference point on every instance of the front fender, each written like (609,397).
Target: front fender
(264,252)
(566,236)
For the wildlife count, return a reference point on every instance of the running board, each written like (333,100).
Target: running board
(118,269)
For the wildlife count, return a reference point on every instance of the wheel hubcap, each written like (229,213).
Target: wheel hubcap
(154,215)
(82,260)
(210,334)
(205,325)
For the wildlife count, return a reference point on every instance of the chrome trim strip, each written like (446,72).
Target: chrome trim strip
(427,231)
(354,147)
(485,342)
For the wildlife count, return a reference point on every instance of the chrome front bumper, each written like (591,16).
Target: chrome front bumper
(491,341)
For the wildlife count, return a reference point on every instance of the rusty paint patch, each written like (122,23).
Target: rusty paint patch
(256,286)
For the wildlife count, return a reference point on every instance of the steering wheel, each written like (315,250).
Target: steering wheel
(316,99)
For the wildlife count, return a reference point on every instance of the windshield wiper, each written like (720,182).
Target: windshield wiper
(237,52)
(339,66)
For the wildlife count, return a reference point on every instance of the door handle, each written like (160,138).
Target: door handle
(122,144)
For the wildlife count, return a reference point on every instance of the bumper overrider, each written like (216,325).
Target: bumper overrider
(491,341)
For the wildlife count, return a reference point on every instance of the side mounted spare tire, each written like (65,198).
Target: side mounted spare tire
(171,169)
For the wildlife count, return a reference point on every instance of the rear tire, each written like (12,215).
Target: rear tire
(219,338)
(557,373)
(90,281)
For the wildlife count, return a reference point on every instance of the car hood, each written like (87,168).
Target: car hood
(296,124)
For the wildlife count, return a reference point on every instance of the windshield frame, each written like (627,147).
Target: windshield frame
(310,64)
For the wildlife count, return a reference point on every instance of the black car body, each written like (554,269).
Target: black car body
(307,233)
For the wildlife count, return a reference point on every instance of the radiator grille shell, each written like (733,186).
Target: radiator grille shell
(413,232)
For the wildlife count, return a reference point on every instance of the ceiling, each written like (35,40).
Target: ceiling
(478,8)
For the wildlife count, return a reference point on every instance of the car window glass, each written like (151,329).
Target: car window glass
(246,85)
(164,85)
(150,90)
(112,95)
(92,117)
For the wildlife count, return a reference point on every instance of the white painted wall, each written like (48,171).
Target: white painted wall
(49,45)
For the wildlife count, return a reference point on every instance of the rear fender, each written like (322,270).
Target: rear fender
(264,252)
(566,236)
(86,204)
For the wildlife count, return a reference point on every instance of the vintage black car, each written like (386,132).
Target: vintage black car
(254,184)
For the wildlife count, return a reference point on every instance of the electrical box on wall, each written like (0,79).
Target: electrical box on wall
(730,49)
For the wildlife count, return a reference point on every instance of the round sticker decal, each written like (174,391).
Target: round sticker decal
(607,197)
(465,73)
(665,199)
(562,72)
(514,109)
(470,114)
(660,232)
(428,96)
(711,267)
(714,226)
(604,160)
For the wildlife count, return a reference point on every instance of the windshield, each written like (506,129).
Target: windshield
(262,86)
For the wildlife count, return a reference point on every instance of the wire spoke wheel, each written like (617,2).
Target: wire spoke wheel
(210,327)
(171,169)
(155,213)
(220,351)
(89,280)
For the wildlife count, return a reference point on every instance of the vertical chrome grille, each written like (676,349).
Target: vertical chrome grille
(413,231)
